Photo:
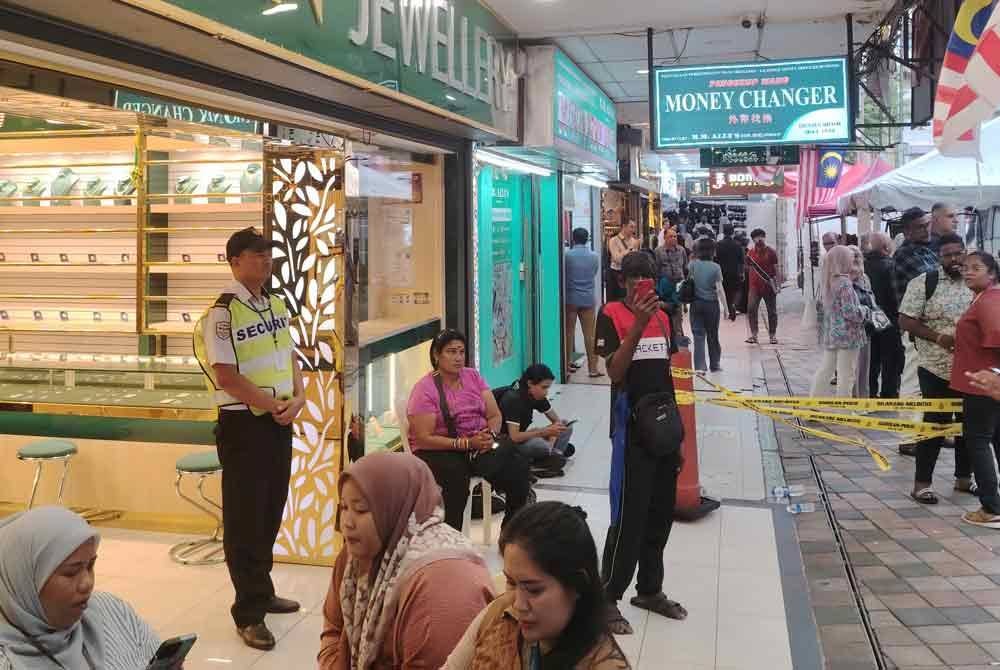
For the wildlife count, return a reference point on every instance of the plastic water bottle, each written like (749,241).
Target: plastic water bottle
(792,491)
(799,508)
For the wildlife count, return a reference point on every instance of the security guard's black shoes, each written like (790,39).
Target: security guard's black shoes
(257,636)
(282,606)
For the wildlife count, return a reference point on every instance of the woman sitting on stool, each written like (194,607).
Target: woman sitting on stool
(454,423)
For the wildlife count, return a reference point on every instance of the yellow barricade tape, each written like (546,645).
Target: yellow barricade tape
(682,373)
(739,400)
(684,397)
(868,404)
(917,428)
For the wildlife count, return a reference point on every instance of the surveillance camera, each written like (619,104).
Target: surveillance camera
(747,22)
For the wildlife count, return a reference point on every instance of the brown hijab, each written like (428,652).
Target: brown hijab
(406,504)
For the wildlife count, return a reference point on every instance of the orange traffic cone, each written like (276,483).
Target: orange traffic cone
(691,505)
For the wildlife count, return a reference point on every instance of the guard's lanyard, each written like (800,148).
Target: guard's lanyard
(274,325)
(45,652)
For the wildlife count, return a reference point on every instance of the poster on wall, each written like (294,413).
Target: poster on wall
(503,275)
(399,246)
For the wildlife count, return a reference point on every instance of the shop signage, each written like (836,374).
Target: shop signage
(746,181)
(696,187)
(146,104)
(722,157)
(444,52)
(584,115)
(773,102)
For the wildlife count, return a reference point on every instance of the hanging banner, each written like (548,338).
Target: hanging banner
(746,181)
(774,102)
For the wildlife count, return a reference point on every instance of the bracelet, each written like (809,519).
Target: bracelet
(454,444)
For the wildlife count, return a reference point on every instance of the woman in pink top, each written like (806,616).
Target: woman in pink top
(454,427)
(406,585)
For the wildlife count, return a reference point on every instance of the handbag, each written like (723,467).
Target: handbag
(878,319)
(685,292)
(656,421)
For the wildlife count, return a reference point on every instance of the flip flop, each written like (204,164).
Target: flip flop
(925,496)
(662,605)
(751,340)
(617,624)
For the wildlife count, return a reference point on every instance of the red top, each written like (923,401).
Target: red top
(977,340)
(768,261)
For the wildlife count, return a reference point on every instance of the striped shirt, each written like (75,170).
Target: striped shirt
(128,641)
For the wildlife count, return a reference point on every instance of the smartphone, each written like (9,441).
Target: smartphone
(172,652)
(643,287)
(570,422)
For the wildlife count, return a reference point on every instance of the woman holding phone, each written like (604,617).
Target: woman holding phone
(518,406)
(454,425)
(50,615)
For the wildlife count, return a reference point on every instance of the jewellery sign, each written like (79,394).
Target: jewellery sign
(773,102)
(446,53)
(746,180)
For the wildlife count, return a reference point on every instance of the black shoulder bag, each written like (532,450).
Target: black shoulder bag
(486,464)
(656,420)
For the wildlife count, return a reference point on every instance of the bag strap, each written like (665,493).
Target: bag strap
(449,420)
(759,269)
(931,280)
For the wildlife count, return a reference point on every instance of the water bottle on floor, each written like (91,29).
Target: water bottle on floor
(783,493)
(799,508)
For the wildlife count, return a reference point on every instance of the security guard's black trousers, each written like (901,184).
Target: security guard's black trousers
(256,456)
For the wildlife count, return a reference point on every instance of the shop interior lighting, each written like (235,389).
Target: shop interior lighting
(511,164)
(591,181)
(279,7)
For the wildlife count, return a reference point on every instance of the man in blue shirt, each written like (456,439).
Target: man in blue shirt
(582,265)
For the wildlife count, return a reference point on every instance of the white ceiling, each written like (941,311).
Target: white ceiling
(607,38)
(556,18)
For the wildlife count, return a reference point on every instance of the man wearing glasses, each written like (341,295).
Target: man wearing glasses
(944,221)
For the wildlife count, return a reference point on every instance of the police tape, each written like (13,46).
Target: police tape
(733,398)
(920,429)
(867,404)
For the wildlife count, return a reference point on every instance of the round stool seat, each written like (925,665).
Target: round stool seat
(198,463)
(53,448)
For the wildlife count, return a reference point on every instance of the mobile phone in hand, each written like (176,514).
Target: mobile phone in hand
(172,652)
(643,288)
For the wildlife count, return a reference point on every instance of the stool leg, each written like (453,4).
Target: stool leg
(467,516)
(34,486)
(209,501)
(62,482)
(487,513)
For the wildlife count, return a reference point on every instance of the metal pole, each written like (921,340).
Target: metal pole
(852,77)
(651,77)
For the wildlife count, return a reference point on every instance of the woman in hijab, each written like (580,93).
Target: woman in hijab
(407,584)
(50,615)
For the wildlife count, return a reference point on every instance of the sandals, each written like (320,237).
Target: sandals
(925,496)
(662,605)
(751,340)
(617,624)
(774,340)
(966,486)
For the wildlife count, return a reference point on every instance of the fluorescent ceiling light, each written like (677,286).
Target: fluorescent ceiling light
(280,7)
(591,181)
(644,71)
(510,163)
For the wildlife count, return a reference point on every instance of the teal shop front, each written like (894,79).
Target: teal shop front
(516,273)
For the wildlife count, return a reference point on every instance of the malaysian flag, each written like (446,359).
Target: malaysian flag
(956,130)
(808,163)
(983,76)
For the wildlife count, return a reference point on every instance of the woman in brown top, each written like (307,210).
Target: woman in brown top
(407,584)
(553,614)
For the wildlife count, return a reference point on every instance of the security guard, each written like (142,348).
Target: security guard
(245,348)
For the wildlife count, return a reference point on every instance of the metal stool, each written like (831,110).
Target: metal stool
(44,451)
(206,551)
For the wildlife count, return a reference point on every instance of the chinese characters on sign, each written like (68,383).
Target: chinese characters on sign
(747,180)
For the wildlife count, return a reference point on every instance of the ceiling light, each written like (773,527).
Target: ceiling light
(510,163)
(642,71)
(280,7)
(450,97)
(591,181)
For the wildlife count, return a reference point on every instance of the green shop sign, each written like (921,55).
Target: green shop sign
(723,157)
(447,53)
(774,102)
(146,104)
(584,115)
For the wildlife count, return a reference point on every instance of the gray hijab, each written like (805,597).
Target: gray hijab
(32,546)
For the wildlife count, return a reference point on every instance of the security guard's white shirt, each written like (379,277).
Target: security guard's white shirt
(218,328)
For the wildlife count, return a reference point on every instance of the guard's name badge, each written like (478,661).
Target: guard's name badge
(223,330)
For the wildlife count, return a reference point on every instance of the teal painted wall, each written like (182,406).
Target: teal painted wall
(548,273)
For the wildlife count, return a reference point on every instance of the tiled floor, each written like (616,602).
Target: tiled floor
(725,568)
